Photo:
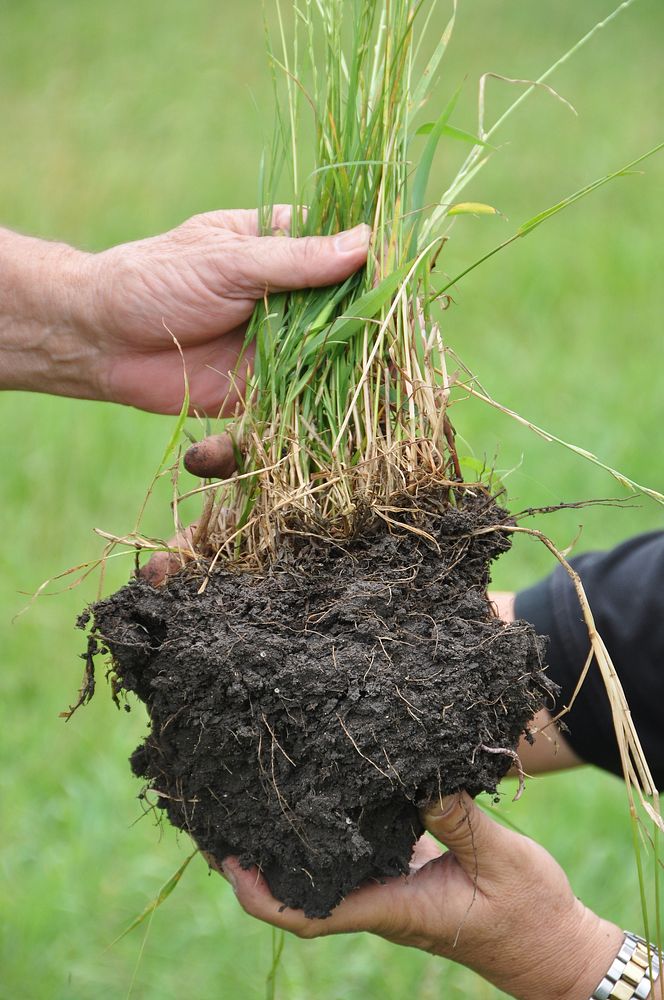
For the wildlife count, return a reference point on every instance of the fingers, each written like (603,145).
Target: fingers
(254,896)
(368,908)
(246,222)
(165,564)
(211,458)
(280,263)
(426,849)
(481,846)
(503,604)
(546,749)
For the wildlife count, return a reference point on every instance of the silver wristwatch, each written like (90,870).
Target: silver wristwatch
(633,972)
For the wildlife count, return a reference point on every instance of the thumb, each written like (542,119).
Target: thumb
(282,263)
(479,844)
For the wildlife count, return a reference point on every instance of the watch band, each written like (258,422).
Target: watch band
(632,973)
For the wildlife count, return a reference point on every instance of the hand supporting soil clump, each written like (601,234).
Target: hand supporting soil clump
(300,715)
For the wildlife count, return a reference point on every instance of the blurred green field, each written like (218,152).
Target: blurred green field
(119,120)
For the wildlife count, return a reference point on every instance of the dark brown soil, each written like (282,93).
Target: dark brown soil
(300,716)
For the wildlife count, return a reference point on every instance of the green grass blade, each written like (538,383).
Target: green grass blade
(163,894)
(549,213)
(537,220)
(625,481)
(426,162)
(473,163)
(454,133)
(182,416)
(363,309)
(278,943)
(462,136)
(173,441)
(558,63)
(426,80)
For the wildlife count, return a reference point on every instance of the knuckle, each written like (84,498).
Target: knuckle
(194,221)
(312,248)
(308,258)
(281,218)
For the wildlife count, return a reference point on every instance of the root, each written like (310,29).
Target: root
(363,755)
(87,688)
(516,760)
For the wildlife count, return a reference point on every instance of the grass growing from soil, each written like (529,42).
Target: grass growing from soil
(582,301)
(349,468)
(347,402)
(346,409)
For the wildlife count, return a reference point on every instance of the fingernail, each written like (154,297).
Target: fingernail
(353,239)
(442,808)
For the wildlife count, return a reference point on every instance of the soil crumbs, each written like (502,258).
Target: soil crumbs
(300,716)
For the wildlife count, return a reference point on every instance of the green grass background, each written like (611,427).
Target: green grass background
(120,120)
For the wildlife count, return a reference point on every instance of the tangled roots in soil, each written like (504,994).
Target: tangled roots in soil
(300,716)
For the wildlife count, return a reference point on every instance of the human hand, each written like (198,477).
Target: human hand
(495,901)
(201,281)
(97,325)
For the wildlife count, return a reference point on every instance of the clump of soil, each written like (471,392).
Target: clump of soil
(299,716)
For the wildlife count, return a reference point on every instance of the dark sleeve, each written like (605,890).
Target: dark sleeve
(625,587)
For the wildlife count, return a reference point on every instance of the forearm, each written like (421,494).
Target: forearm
(101,326)
(44,312)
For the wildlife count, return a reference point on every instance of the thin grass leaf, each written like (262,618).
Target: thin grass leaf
(358,314)
(628,170)
(620,477)
(278,944)
(557,64)
(423,88)
(477,157)
(423,172)
(329,304)
(462,136)
(502,818)
(454,133)
(163,894)
(174,439)
(549,213)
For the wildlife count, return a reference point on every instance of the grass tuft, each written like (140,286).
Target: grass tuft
(347,403)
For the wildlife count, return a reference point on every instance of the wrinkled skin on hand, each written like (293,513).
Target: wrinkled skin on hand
(495,901)
(198,283)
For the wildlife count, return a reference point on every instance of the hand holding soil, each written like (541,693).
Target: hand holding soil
(495,901)
(300,696)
